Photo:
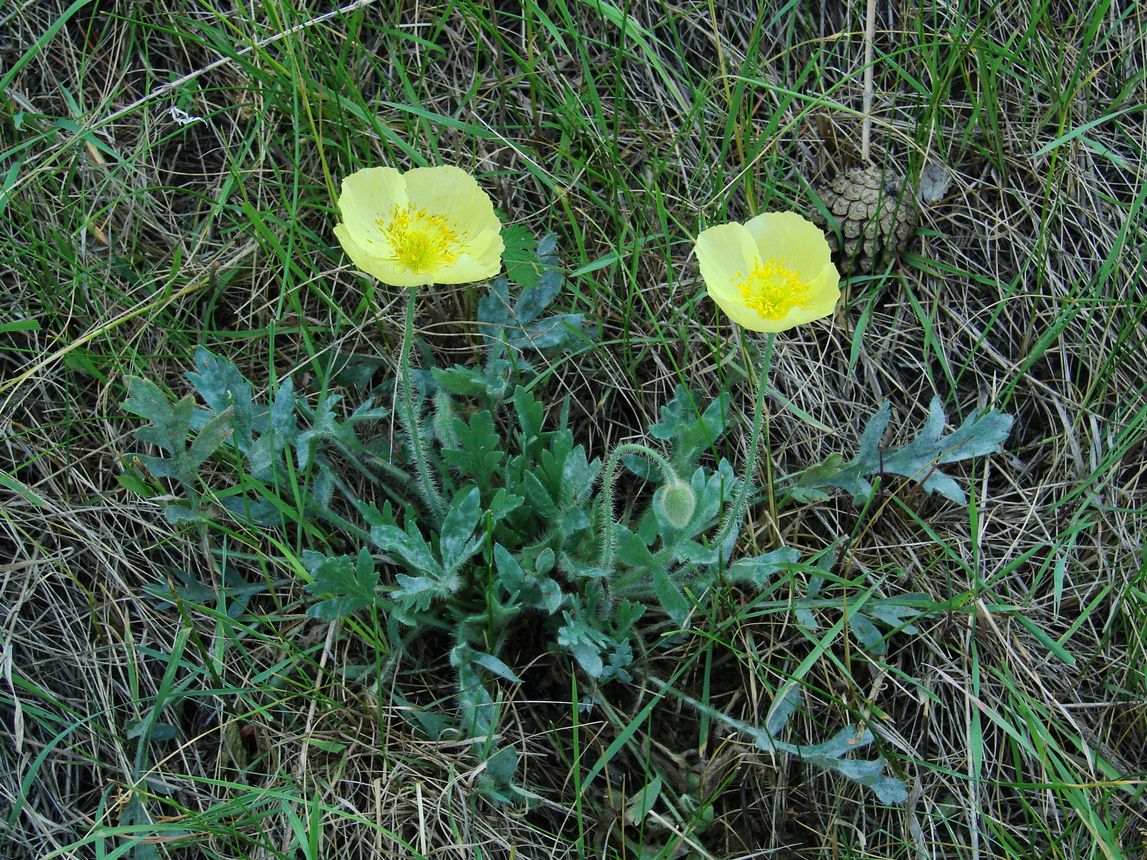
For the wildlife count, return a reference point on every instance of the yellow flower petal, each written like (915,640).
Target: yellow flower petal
(770,274)
(368,196)
(824,291)
(724,254)
(797,244)
(431,225)
(481,260)
(454,194)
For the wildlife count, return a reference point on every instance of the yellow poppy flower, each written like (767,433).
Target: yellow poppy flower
(430,225)
(770,273)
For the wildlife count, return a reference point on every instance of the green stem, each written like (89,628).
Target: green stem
(611,465)
(737,509)
(408,416)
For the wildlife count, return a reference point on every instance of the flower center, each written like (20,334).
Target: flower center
(772,290)
(421,241)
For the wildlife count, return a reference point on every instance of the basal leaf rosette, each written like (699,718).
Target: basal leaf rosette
(430,225)
(771,273)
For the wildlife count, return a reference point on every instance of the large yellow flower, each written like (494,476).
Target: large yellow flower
(770,273)
(430,225)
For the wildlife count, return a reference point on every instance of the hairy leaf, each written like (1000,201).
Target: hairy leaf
(828,755)
(690,430)
(537,297)
(640,804)
(260,512)
(347,583)
(477,455)
(578,477)
(495,666)
(170,425)
(631,552)
(477,705)
(532,589)
(280,433)
(670,597)
(408,545)
(983,432)
(757,570)
(584,643)
(457,542)
(214,433)
(556,331)
(782,711)
(222,387)
(494,309)
(328,429)
(538,496)
(170,430)
(895,612)
(463,381)
(626,614)
(520,256)
(416,593)
(530,414)
(502,766)
(503,504)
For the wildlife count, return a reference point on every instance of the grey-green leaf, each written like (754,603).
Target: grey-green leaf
(670,597)
(530,416)
(170,425)
(983,432)
(349,584)
(456,543)
(533,300)
(416,592)
(410,546)
(222,387)
(214,433)
(759,569)
(502,766)
(782,711)
(477,455)
(868,634)
(495,666)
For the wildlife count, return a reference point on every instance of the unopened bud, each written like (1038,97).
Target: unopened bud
(674,504)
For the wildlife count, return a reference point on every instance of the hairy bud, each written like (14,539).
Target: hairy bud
(674,503)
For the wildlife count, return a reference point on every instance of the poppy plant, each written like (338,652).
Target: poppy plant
(430,225)
(771,273)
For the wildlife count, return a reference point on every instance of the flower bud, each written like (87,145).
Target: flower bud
(674,503)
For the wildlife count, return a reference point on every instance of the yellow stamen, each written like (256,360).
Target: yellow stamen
(422,242)
(772,290)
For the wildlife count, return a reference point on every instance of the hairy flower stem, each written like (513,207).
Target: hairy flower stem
(737,510)
(408,416)
(668,475)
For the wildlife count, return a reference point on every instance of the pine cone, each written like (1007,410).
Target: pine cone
(875,216)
